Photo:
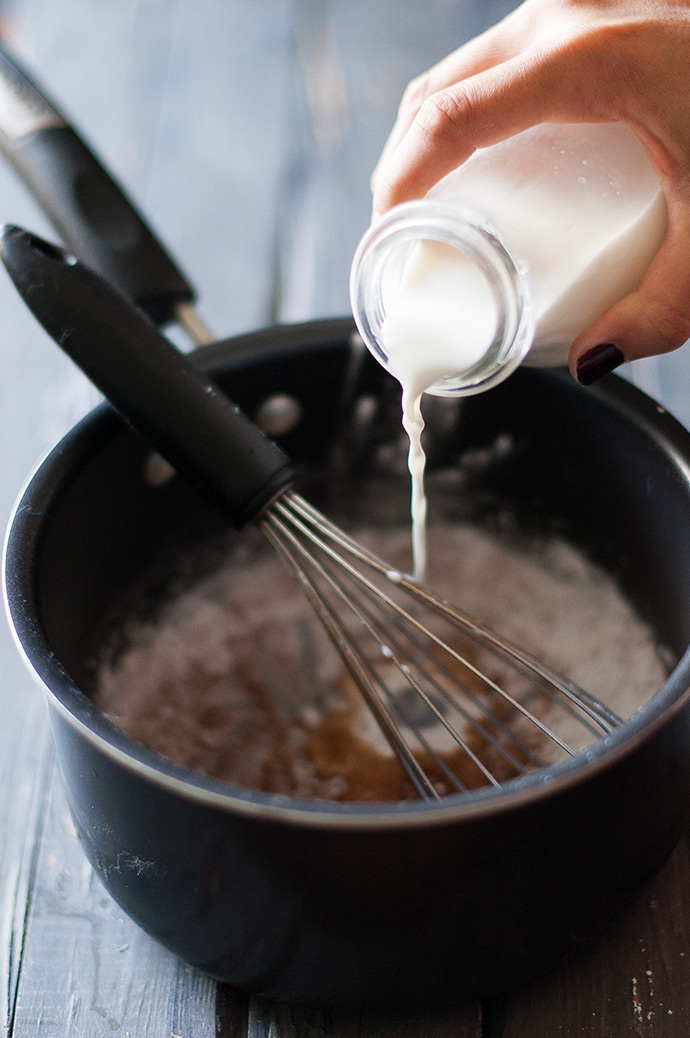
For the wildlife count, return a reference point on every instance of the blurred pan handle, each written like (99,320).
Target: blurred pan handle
(90,211)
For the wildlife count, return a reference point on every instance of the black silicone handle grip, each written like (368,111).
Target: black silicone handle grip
(88,208)
(153,386)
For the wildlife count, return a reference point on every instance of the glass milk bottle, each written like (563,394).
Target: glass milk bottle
(508,258)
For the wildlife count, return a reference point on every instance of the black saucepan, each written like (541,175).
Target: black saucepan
(341,904)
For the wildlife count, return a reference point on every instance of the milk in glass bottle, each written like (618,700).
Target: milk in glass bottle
(507,259)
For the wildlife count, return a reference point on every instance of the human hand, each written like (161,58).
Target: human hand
(568,61)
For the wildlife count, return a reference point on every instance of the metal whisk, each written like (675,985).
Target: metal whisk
(425,668)
(459,706)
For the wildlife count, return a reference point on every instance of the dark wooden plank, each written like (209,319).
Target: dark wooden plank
(232,1012)
(268,1019)
(88,969)
(41,395)
(25,776)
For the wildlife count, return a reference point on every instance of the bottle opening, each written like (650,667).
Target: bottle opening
(440,300)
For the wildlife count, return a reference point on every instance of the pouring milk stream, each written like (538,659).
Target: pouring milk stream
(505,261)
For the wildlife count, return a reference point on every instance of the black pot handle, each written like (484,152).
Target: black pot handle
(88,208)
(150,383)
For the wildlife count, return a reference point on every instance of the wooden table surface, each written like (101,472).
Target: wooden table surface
(246,130)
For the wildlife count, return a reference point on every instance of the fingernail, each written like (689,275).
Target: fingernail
(598,361)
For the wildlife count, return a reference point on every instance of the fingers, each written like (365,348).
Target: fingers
(486,51)
(452,123)
(532,83)
(514,75)
(654,319)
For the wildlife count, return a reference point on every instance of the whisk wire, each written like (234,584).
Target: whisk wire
(420,644)
(602,716)
(438,605)
(372,685)
(383,635)
(284,543)
(330,566)
(605,719)
(455,704)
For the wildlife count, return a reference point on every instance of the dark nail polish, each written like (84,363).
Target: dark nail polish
(598,361)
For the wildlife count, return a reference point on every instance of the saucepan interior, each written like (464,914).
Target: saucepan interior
(342,903)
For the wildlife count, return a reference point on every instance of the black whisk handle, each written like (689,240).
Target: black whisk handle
(150,383)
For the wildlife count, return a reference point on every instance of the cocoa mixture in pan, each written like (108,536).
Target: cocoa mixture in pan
(235,677)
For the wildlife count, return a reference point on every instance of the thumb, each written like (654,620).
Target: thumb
(654,319)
